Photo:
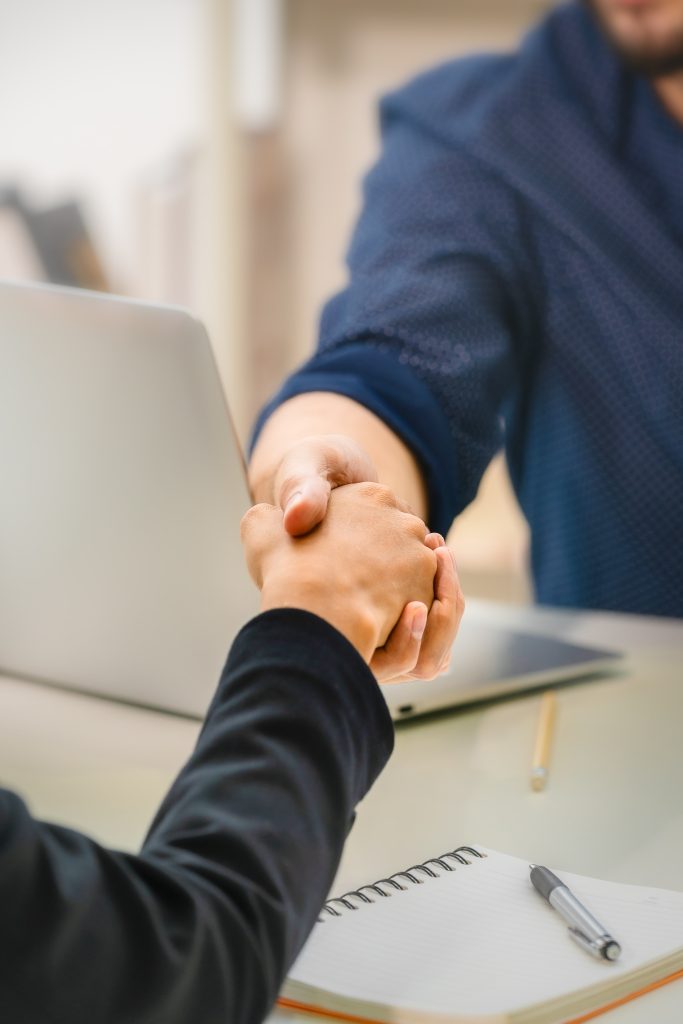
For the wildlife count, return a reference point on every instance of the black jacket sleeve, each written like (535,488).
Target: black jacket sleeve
(202,925)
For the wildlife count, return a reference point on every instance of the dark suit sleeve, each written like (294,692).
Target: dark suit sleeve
(203,924)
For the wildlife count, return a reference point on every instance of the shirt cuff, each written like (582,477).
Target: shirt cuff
(397,396)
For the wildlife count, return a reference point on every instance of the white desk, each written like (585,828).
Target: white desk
(612,807)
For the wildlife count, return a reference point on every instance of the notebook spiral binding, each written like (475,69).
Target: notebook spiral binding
(336,906)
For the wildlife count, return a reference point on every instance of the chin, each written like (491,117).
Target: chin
(647,34)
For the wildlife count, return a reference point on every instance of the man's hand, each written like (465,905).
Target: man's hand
(365,567)
(308,473)
(319,440)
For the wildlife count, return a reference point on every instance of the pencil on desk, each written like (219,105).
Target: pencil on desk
(544,733)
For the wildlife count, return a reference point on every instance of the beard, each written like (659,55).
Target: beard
(650,53)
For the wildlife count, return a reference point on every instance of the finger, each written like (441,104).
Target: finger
(310,470)
(401,651)
(258,528)
(307,506)
(257,519)
(443,620)
(434,541)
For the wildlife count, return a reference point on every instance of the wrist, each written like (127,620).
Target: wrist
(349,617)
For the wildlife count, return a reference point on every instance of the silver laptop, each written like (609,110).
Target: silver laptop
(121,569)
(123,484)
(489,662)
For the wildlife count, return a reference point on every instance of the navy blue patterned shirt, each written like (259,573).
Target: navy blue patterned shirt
(516,279)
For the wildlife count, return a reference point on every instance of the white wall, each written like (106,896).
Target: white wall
(94,93)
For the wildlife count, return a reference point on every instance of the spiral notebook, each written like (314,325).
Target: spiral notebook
(464,937)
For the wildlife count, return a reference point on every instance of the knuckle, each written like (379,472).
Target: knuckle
(402,670)
(425,567)
(287,484)
(436,539)
(407,663)
(416,526)
(379,493)
(419,672)
(426,668)
(428,559)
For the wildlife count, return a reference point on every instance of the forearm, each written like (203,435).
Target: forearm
(204,923)
(316,413)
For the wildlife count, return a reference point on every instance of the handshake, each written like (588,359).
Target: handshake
(355,555)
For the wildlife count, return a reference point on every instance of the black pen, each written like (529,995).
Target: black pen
(584,929)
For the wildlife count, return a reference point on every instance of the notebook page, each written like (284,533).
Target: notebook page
(480,940)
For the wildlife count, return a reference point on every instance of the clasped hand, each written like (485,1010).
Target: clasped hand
(371,569)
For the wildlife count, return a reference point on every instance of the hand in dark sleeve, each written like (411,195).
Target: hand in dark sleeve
(202,925)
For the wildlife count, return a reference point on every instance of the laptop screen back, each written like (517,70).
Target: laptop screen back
(123,487)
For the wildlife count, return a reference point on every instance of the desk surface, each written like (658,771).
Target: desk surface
(612,807)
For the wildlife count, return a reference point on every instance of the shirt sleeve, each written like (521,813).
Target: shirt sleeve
(432,327)
(203,923)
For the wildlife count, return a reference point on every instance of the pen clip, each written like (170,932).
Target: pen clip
(603,949)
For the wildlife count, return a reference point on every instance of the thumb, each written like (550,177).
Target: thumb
(306,506)
(310,470)
(260,528)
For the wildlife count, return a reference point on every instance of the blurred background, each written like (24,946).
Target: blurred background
(209,153)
